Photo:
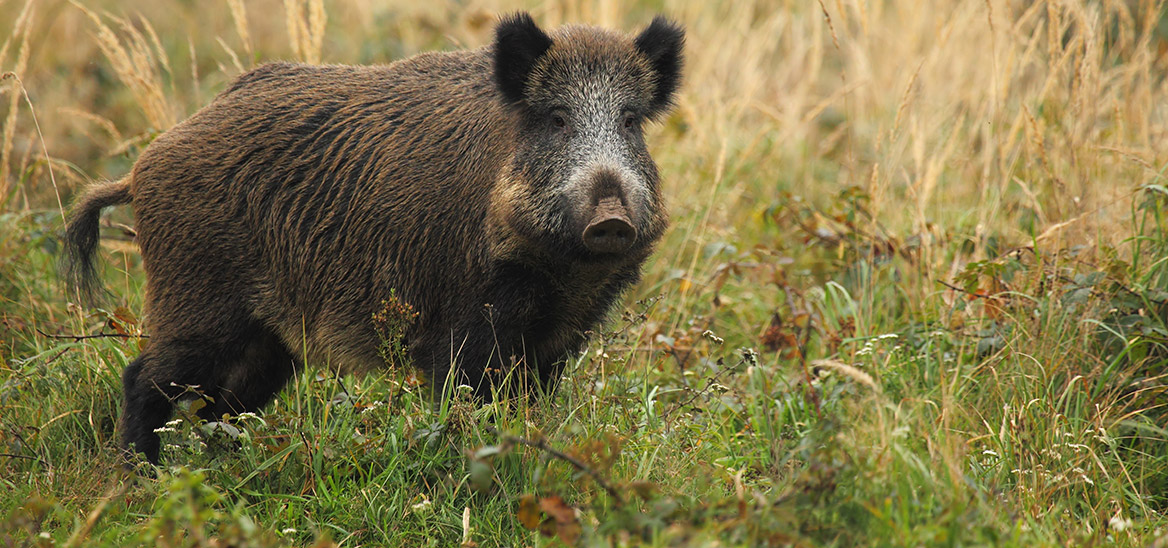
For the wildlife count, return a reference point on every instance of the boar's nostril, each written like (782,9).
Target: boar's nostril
(610,235)
(610,230)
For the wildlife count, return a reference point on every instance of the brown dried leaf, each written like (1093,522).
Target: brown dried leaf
(121,320)
(792,351)
(555,507)
(568,532)
(528,512)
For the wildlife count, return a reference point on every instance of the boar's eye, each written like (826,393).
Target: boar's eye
(631,122)
(558,119)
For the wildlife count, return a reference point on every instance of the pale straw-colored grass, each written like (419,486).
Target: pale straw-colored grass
(239,17)
(306,21)
(10,85)
(140,62)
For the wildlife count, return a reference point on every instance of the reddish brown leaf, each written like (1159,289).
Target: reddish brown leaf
(555,507)
(568,532)
(121,320)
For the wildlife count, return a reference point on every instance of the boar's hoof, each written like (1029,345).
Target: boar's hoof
(610,230)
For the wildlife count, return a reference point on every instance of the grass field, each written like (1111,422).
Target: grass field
(915,293)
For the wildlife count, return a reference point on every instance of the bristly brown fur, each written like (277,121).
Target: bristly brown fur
(274,221)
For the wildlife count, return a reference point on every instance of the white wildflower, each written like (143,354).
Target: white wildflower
(421,507)
(1119,523)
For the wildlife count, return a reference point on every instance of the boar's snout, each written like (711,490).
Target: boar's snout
(610,231)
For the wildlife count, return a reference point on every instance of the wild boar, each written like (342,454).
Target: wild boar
(505,193)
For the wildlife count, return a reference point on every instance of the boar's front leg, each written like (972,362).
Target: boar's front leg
(495,346)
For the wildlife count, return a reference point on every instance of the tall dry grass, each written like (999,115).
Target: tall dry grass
(306,24)
(960,120)
(950,115)
(980,121)
(10,86)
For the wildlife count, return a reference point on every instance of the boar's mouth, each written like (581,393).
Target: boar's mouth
(609,231)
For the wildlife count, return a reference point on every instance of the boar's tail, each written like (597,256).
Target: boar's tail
(81,234)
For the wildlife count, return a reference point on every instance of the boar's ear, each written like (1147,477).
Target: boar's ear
(519,43)
(661,43)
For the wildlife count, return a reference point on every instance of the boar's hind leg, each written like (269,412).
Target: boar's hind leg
(160,376)
(144,410)
(263,369)
(235,376)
